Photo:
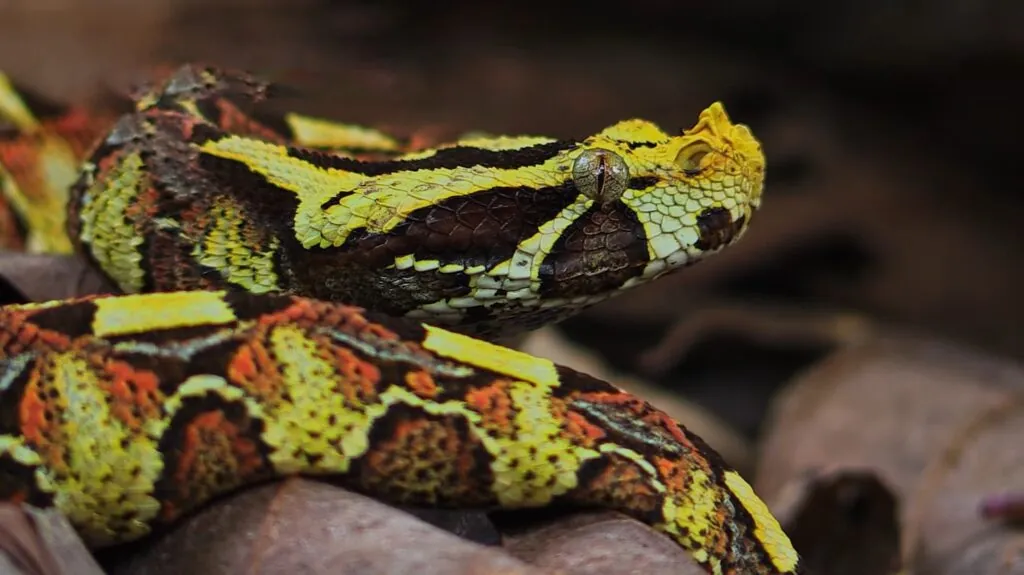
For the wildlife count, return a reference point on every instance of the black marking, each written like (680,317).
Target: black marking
(461,473)
(9,132)
(632,145)
(741,527)
(14,375)
(203,133)
(456,388)
(176,444)
(395,359)
(455,157)
(274,121)
(40,106)
(590,470)
(602,173)
(482,228)
(714,460)
(212,355)
(627,425)
(175,360)
(642,182)
(18,483)
(168,336)
(21,231)
(572,382)
(275,206)
(249,306)
(717,228)
(607,482)
(404,290)
(211,110)
(240,118)
(482,313)
(597,253)
(73,319)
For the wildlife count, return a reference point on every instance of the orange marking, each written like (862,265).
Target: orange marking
(659,419)
(108,162)
(652,417)
(169,511)
(359,379)
(21,158)
(51,340)
(253,369)
(191,448)
(234,120)
(247,454)
(672,474)
(79,128)
(408,427)
(301,309)
(135,394)
(243,365)
(585,432)
(493,404)
(197,455)
(422,384)
(28,333)
(33,412)
(146,204)
(380,331)
(677,479)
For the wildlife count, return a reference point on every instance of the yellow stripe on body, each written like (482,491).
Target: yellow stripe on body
(514,364)
(533,462)
(377,203)
(766,527)
(13,107)
(321,133)
(130,314)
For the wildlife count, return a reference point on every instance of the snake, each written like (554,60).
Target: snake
(295,295)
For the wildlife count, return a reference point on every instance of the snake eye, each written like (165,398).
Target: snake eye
(690,156)
(601,175)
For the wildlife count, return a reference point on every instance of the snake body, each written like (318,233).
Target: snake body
(275,273)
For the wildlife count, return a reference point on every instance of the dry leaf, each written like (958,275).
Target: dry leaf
(937,423)
(843,523)
(306,527)
(598,544)
(30,278)
(949,533)
(41,542)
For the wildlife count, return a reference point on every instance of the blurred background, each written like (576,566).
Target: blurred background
(893,130)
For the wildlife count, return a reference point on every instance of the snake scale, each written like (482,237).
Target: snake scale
(302,296)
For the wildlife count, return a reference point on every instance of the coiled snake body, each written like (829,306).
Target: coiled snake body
(276,271)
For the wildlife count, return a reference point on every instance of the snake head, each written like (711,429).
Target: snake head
(691,194)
